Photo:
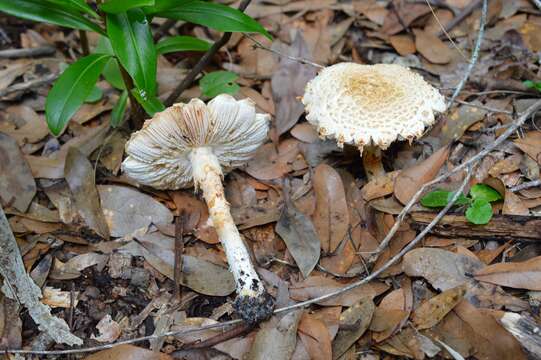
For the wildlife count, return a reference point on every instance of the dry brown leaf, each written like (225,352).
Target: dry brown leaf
(530,34)
(374,11)
(17,186)
(57,298)
(315,337)
(403,44)
(432,48)
(408,12)
(492,341)
(410,180)
(305,132)
(432,311)
(512,205)
(389,315)
(405,343)
(531,145)
(316,286)
(34,128)
(379,186)
(331,217)
(123,352)
(522,275)
(456,124)
(353,324)
(269,164)
(108,328)
(506,166)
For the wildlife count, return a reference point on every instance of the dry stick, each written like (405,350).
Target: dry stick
(30,52)
(526,185)
(259,45)
(163,29)
(510,130)
(205,59)
(84,42)
(29,84)
(179,249)
(461,16)
(483,107)
(475,53)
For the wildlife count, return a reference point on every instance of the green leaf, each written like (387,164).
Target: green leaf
(484,192)
(79,5)
(45,11)
(216,16)
(533,84)
(71,89)
(162,5)
(219,82)
(118,6)
(181,43)
(117,115)
(111,71)
(95,95)
(132,44)
(151,104)
(440,198)
(479,212)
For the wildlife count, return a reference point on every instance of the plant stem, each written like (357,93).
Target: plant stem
(136,118)
(84,42)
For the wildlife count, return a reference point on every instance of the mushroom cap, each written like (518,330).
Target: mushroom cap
(159,153)
(370,104)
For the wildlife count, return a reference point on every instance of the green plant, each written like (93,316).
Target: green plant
(126,54)
(479,209)
(533,84)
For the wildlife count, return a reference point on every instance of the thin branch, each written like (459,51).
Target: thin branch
(29,84)
(510,130)
(444,31)
(27,52)
(460,16)
(163,29)
(483,107)
(84,42)
(526,185)
(205,59)
(475,53)
(259,45)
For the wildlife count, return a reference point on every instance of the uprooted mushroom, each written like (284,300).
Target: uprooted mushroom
(195,144)
(371,106)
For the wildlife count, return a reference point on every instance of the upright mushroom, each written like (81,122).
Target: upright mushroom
(370,106)
(195,144)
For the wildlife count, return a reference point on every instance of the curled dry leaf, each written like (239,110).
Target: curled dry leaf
(389,315)
(17,186)
(127,210)
(442,268)
(316,338)
(521,275)
(379,186)
(316,286)
(79,175)
(358,317)
(513,205)
(531,145)
(108,328)
(410,180)
(331,217)
(432,311)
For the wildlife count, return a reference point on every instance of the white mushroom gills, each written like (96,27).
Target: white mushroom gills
(207,176)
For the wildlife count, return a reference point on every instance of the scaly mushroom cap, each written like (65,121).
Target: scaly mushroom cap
(158,154)
(370,104)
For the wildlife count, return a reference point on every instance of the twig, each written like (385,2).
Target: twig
(163,29)
(445,31)
(475,53)
(137,113)
(84,42)
(510,130)
(220,338)
(526,185)
(483,107)
(179,248)
(205,59)
(461,16)
(259,45)
(29,84)
(29,52)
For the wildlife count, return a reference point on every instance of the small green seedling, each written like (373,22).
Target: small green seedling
(533,84)
(479,209)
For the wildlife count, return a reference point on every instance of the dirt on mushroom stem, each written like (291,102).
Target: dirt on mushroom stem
(253,303)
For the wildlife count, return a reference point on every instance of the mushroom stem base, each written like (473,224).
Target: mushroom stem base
(372,164)
(253,303)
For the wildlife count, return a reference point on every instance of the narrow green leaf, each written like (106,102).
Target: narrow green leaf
(118,6)
(479,212)
(440,198)
(162,5)
(132,44)
(111,71)
(219,82)
(181,43)
(150,103)
(79,5)
(45,11)
(117,115)
(95,95)
(216,16)
(71,89)
(484,192)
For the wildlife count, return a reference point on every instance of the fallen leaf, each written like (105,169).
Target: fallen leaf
(288,84)
(389,315)
(108,328)
(410,180)
(513,205)
(305,132)
(522,275)
(443,269)
(79,175)
(432,311)
(458,121)
(127,210)
(299,234)
(17,186)
(331,216)
(379,186)
(506,166)
(531,145)
(34,128)
(405,343)
(403,44)
(358,316)
(407,12)
(269,164)
(316,286)
(315,337)
(432,48)
(122,352)
(57,298)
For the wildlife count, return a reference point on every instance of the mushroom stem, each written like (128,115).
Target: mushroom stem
(373,166)
(253,303)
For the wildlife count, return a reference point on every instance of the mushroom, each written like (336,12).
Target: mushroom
(196,144)
(370,106)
